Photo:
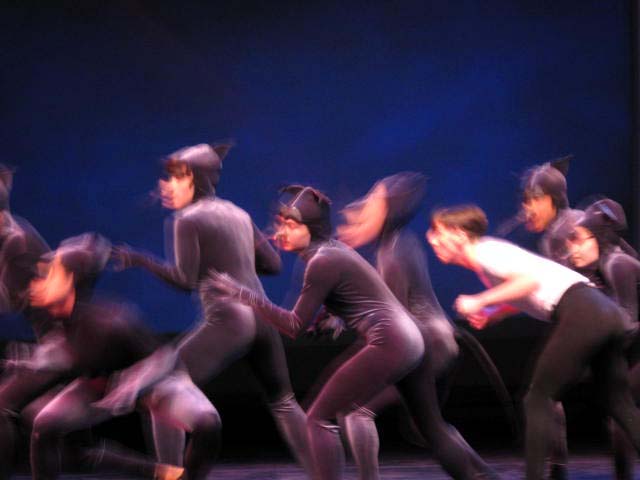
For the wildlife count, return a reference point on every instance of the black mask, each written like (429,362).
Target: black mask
(309,207)
(605,218)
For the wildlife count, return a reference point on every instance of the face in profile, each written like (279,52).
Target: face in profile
(539,212)
(52,286)
(177,191)
(365,220)
(291,236)
(447,243)
(582,247)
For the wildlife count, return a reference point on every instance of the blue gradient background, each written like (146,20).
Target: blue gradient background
(336,94)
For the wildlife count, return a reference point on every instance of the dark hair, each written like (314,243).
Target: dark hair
(469,218)
(174,167)
(548,179)
(605,219)
(203,161)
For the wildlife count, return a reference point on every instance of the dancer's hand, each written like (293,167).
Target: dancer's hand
(18,355)
(491,315)
(479,320)
(119,401)
(328,323)
(222,284)
(166,193)
(51,355)
(122,257)
(467,305)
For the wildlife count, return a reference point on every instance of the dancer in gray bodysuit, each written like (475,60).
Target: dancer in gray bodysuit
(598,251)
(382,217)
(214,234)
(111,352)
(21,247)
(337,277)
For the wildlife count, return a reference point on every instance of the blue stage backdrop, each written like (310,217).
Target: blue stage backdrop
(335,94)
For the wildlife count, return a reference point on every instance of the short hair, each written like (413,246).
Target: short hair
(174,166)
(469,218)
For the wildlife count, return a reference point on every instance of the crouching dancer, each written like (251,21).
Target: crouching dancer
(113,355)
(382,217)
(350,288)
(590,329)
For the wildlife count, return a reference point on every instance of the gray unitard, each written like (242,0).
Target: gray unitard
(402,264)
(214,234)
(350,288)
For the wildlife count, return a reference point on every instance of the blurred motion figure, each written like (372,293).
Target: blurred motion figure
(118,364)
(350,289)
(212,234)
(382,217)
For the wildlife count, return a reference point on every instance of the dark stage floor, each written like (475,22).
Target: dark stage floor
(584,466)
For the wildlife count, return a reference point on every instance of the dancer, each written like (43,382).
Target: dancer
(594,249)
(352,290)
(545,210)
(212,233)
(546,207)
(106,341)
(382,217)
(589,329)
(21,247)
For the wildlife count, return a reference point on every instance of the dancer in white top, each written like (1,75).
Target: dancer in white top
(589,329)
